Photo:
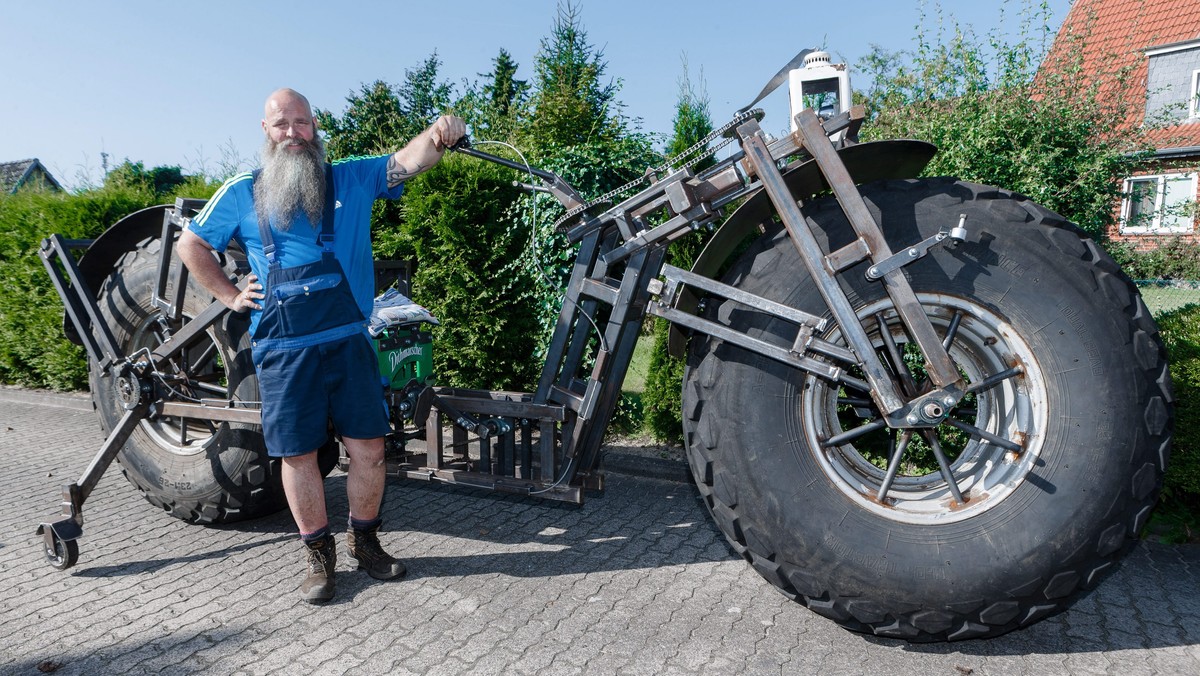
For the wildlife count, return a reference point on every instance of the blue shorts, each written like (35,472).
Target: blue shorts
(302,389)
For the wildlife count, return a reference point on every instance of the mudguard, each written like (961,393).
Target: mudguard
(104,252)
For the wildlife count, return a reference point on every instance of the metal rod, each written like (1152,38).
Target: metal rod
(108,451)
(882,388)
(80,300)
(898,365)
(894,464)
(942,370)
(952,330)
(791,314)
(838,440)
(200,324)
(995,379)
(985,435)
(943,465)
(540,173)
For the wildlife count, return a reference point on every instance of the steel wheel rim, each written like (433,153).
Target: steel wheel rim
(178,436)
(986,474)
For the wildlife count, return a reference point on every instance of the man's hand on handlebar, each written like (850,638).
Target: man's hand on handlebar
(447,131)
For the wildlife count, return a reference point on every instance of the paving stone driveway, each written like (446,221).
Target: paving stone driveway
(637,581)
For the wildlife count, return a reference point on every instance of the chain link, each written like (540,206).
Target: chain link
(669,166)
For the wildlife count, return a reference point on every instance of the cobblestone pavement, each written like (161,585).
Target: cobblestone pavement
(636,581)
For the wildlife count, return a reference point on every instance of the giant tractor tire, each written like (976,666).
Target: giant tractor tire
(1058,451)
(199,471)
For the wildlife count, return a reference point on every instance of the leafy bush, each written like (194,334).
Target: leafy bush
(1174,258)
(662,402)
(1181,334)
(1051,134)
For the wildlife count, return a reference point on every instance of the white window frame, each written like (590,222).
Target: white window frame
(1155,227)
(1194,102)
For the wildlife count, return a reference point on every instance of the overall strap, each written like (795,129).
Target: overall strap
(325,238)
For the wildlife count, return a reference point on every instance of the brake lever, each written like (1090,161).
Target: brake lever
(529,187)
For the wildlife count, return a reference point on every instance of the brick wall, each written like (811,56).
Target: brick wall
(1145,241)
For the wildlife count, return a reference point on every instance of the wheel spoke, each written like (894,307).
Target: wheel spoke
(898,365)
(943,465)
(854,383)
(995,379)
(208,387)
(865,428)
(952,330)
(894,464)
(985,435)
(204,357)
(854,401)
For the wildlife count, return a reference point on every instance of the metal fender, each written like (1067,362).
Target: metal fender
(866,162)
(104,252)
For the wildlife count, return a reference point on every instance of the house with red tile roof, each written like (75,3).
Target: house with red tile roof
(1149,52)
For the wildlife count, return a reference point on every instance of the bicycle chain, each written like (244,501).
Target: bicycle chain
(669,166)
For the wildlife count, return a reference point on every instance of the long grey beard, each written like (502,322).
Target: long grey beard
(291,183)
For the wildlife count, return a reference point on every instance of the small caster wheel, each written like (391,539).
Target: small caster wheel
(63,553)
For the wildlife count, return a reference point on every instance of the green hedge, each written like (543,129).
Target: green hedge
(33,352)
(472,273)
(1181,334)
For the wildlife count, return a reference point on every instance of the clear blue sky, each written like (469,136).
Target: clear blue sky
(174,82)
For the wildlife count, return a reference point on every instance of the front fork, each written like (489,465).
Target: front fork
(927,409)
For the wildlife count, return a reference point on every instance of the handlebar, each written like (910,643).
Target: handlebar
(551,182)
(463,145)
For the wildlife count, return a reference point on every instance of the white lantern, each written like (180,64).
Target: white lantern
(820,85)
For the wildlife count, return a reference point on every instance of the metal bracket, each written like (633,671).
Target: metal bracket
(917,251)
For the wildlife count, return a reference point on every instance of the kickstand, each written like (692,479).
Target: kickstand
(60,536)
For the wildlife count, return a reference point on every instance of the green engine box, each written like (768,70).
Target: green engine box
(405,353)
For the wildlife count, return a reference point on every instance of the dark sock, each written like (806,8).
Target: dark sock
(365,525)
(319,534)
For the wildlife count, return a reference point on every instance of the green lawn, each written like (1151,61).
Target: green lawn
(639,365)
(1161,298)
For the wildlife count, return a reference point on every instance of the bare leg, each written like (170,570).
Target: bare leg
(305,491)
(367,476)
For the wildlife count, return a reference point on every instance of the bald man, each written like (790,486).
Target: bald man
(305,227)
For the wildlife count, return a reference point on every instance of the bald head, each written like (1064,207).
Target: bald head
(281,98)
(287,117)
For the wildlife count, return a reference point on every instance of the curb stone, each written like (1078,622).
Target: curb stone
(79,401)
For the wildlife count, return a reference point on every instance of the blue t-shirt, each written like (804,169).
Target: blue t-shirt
(358,182)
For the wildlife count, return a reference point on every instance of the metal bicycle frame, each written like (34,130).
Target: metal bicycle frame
(618,272)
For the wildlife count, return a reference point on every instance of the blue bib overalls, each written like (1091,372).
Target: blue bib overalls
(311,353)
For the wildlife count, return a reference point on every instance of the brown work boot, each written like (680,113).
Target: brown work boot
(322,560)
(368,553)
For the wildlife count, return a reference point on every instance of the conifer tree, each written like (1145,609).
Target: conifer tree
(661,402)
